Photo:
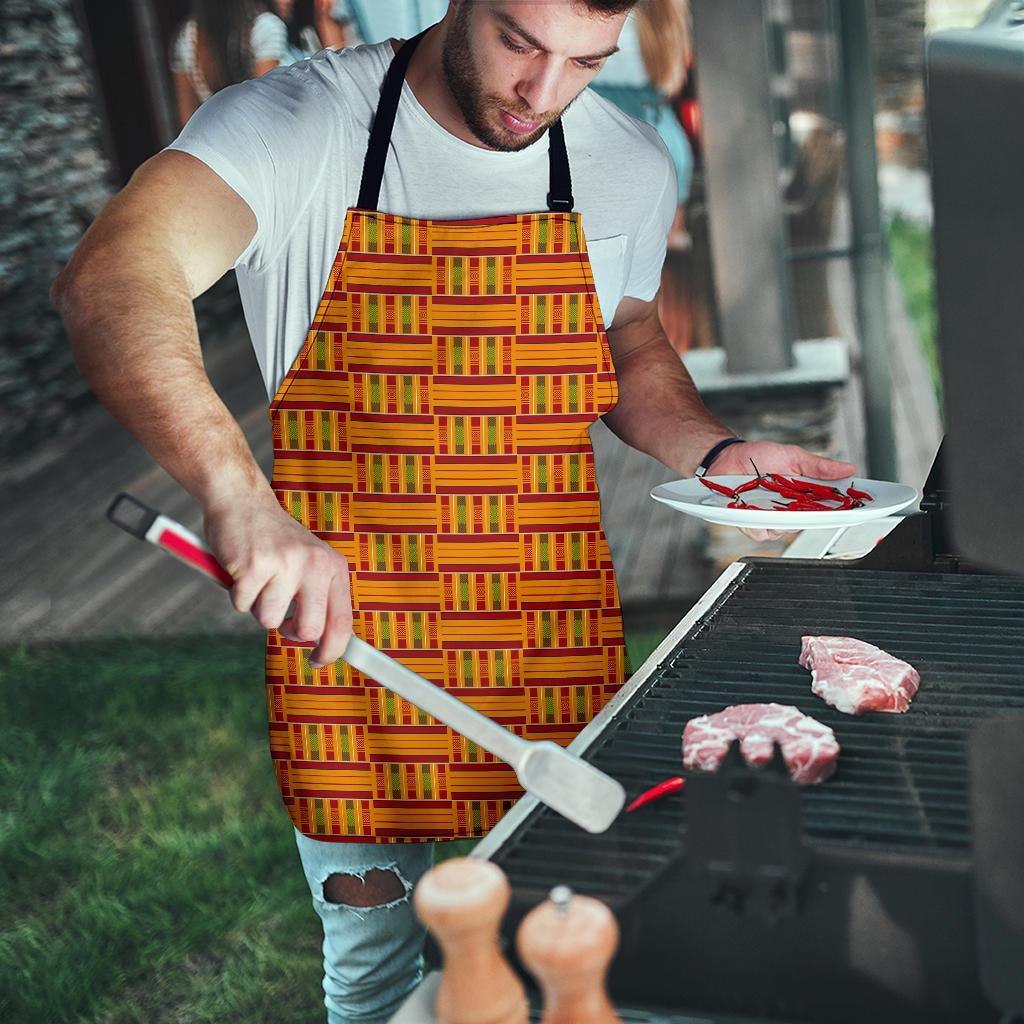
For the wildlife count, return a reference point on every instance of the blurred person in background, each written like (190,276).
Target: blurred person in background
(314,25)
(646,77)
(221,43)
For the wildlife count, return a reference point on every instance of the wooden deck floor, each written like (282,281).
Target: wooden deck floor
(68,573)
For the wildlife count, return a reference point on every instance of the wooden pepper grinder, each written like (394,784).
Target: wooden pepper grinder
(567,942)
(462,902)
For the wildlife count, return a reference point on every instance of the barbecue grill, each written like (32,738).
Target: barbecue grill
(750,897)
(895,890)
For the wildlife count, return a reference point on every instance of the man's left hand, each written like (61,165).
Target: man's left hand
(771,457)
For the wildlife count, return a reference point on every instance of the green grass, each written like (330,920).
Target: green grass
(640,647)
(910,247)
(147,867)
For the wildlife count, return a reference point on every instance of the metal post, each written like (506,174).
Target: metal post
(867,239)
(742,173)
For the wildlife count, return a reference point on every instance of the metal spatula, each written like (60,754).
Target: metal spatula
(575,789)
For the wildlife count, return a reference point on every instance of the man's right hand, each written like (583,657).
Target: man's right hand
(274,560)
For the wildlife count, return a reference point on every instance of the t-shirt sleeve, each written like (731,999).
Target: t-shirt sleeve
(269,38)
(269,140)
(652,238)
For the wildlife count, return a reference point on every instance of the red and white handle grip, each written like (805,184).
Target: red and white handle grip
(147,524)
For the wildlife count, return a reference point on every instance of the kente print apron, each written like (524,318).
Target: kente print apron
(434,429)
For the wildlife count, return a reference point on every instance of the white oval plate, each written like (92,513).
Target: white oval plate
(693,498)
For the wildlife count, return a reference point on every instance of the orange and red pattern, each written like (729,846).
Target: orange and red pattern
(434,429)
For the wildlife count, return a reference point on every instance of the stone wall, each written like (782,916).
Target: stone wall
(54,178)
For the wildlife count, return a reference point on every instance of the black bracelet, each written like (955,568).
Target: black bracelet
(705,463)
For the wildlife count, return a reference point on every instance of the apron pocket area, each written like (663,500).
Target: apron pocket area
(608,265)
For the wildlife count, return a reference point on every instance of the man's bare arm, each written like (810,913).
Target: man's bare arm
(126,300)
(659,410)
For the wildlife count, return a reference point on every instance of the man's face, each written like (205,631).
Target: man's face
(513,66)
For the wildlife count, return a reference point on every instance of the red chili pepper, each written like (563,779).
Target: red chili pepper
(750,485)
(806,505)
(786,492)
(821,491)
(809,487)
(656,792)
(719,488)
(862,495)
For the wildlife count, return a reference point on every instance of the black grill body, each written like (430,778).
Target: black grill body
(847,901)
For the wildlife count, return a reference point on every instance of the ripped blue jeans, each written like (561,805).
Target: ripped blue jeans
(372,955)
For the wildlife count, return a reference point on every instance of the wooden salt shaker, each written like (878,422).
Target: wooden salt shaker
(462,902)
(567,943)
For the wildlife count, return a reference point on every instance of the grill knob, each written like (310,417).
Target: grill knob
(462,902)
(567,943)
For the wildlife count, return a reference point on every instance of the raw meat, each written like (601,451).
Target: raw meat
(855,677)
(808,747)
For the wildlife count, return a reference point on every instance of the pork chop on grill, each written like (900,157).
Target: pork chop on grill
(855,677)
(809,748)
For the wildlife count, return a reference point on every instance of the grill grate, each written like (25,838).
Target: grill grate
(901,785)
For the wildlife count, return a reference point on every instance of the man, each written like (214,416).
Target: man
(430,427)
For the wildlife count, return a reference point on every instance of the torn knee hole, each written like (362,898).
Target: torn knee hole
(374,889)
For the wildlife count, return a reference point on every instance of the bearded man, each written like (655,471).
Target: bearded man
(432,379)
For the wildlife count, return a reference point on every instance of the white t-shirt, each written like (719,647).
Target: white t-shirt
(292,144)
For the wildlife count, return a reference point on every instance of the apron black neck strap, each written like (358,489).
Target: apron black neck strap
(383,122)
(560,186)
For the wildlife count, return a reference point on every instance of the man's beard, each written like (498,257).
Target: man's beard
(466,86)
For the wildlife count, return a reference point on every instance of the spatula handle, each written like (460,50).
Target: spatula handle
(494,738)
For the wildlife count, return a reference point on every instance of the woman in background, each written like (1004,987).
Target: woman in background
(221,43)
(645,78)
(648,72)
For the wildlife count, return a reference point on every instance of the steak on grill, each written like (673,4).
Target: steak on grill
(808,747)
(855,677)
